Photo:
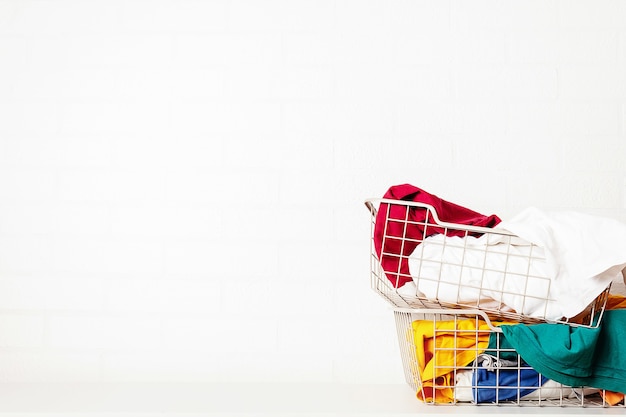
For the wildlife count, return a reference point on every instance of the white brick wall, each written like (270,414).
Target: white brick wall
(181,182)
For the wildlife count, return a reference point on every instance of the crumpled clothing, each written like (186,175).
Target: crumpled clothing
(584,253)
(441,348)
(505,384)
(488,272)
(491,362)
(395,240)
(574,355)
(549,390)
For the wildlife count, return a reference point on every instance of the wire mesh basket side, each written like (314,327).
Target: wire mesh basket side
(461,266)
(441,373)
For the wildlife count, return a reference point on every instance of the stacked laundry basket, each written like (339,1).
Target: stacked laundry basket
(462,294)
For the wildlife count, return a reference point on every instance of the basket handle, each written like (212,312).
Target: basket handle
(369,203)
(451,312)
(370,207)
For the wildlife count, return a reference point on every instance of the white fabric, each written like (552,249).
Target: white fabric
(584,252)
(469,271)
(576,257)
(491,362)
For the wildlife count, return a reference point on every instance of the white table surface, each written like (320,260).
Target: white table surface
(241,400)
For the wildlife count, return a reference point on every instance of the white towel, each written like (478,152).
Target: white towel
(584,253)
(484,274)
(576,257)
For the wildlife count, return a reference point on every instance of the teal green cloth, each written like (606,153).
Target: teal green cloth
(500,347)
(574,356)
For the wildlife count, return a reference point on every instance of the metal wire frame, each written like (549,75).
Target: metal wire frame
(465,393)
(381,284)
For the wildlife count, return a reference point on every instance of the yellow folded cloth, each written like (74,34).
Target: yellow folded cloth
(442,347)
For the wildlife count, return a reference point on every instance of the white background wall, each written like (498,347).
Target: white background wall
(182,182)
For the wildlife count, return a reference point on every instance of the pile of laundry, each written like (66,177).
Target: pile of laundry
(545,265)
(575,256)
(464,360)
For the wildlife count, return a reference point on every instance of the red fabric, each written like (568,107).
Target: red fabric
(394,261)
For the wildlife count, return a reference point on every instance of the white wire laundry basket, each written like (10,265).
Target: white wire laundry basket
(453,357)
(437,264)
